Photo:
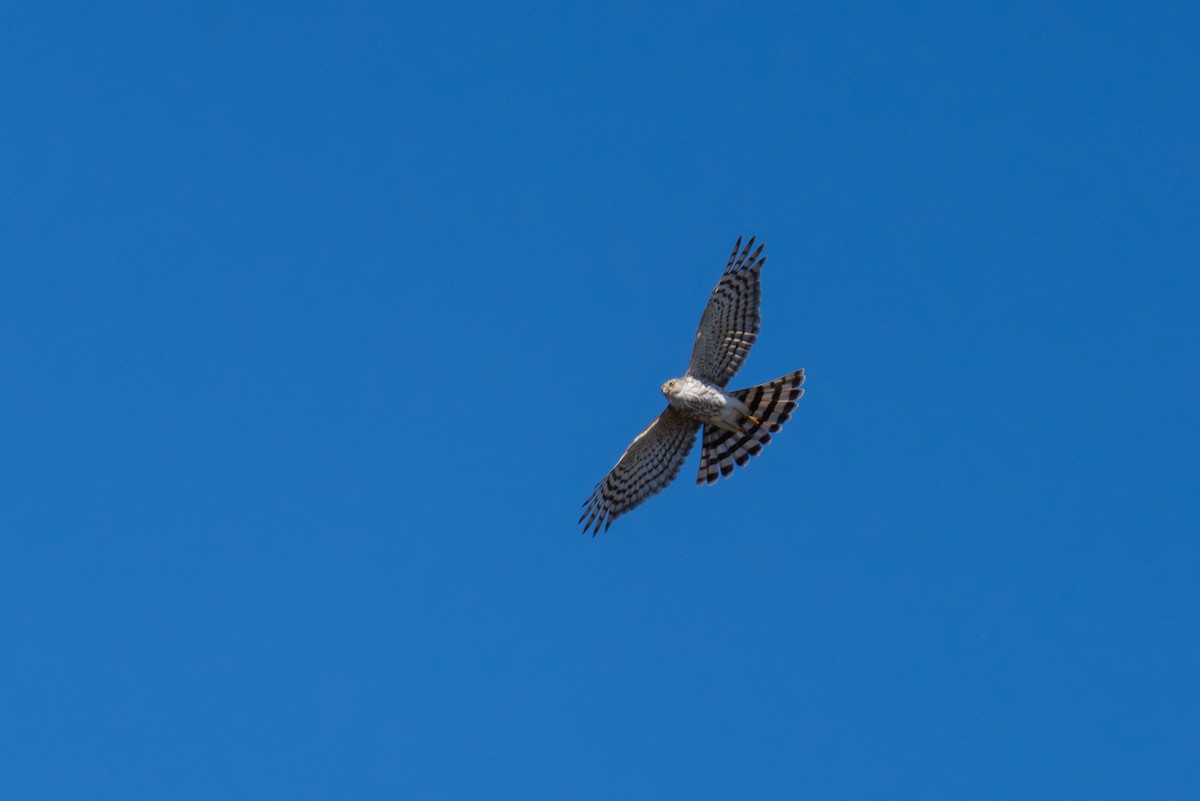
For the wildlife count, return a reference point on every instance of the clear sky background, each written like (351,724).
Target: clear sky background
(319,321)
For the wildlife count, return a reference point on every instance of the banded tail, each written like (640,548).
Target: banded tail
(771,404)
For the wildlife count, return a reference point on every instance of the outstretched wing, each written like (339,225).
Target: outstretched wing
(648,465)
(730,322)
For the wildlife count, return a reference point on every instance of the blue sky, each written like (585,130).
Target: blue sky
(319,322)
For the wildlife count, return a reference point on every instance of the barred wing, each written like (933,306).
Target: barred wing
(730,322)
(649,464)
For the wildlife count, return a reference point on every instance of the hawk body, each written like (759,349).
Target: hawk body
(702,401)
(737,424)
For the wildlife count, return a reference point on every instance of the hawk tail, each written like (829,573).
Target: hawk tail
(771,404)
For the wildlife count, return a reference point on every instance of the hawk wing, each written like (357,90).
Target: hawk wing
(730,322)
(648,465)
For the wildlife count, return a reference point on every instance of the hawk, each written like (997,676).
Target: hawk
(736,424)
